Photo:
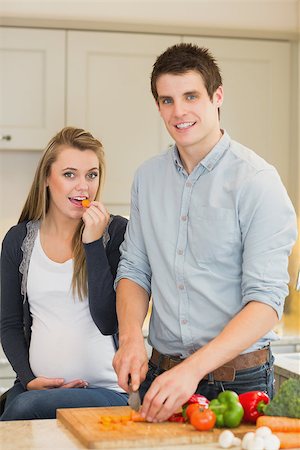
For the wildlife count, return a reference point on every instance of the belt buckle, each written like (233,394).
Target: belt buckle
(224,373)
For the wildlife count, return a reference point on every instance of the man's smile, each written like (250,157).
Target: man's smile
(184,125)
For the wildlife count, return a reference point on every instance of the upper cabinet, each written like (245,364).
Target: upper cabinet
(257,87)
(32,87)
(108,92)
(101,81)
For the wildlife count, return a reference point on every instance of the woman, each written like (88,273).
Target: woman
(58,264)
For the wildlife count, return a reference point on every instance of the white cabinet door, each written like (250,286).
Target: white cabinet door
(32,92)
(109,93)
(257,86)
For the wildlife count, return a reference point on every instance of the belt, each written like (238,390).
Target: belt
(223,373)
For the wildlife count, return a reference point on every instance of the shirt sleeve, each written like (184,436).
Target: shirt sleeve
(269,231)
(134,264)
(102,268)
(12,313)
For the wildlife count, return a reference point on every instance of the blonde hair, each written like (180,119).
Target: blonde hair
(37,203)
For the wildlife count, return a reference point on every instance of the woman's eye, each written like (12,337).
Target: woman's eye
(69,174)
(93,175)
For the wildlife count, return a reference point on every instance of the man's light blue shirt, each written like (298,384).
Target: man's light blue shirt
(206,243)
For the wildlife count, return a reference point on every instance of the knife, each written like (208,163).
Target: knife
(134,399)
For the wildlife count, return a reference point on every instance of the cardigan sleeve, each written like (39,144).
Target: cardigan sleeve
(102,264)
(12,311)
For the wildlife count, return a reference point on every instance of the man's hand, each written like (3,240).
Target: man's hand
(169,391)
(131,359)
(95,218)
(41,383)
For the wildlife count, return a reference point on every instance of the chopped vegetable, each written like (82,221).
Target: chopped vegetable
(228,409)
(286,402)
(276,423)
(85,203)
(111,422)
(253,403)
(136,417)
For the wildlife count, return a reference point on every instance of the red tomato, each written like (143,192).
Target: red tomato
(190,409)
(203,419)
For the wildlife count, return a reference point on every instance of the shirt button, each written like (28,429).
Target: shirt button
(188,184)
(183,218)
(180,252)
(184,322)
(181,287)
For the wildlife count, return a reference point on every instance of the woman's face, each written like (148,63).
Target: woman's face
(74,176)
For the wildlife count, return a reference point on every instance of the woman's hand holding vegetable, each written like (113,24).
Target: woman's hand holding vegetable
(95,218)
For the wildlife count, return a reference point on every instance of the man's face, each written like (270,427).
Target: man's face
(190,116)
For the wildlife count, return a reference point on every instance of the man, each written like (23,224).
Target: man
(210,232)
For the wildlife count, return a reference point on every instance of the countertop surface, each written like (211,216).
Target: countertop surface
(51,434)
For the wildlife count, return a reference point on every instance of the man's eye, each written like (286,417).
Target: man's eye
(69,174)
(166,101)
(92,175)
(191,97)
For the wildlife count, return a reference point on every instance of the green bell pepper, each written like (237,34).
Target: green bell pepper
(228,409)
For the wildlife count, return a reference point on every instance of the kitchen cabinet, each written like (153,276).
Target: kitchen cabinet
(101,81)
(109,93)
(257,88)
(32,87)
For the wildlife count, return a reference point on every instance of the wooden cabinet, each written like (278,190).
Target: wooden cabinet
(32,87)
(109,94)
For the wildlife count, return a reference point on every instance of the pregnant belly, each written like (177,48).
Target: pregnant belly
(71,354)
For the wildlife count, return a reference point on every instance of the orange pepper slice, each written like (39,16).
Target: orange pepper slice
(85,203)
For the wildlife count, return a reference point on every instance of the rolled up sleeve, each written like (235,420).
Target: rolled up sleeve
(269,231)
(134,264)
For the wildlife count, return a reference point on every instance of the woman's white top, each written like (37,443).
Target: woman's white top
(65,342)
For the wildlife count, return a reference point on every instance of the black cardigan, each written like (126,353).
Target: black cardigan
(102,264)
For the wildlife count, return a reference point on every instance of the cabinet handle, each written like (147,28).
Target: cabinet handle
(5,137)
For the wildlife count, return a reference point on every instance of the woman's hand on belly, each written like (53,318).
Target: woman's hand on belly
(41,383)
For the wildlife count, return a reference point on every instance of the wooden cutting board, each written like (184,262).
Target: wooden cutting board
(84,424)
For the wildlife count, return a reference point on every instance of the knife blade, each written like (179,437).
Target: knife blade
(134,399)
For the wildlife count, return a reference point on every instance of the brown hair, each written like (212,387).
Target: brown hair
(182,58)
(37,203)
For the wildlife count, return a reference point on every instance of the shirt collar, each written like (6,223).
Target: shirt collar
(211,158)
